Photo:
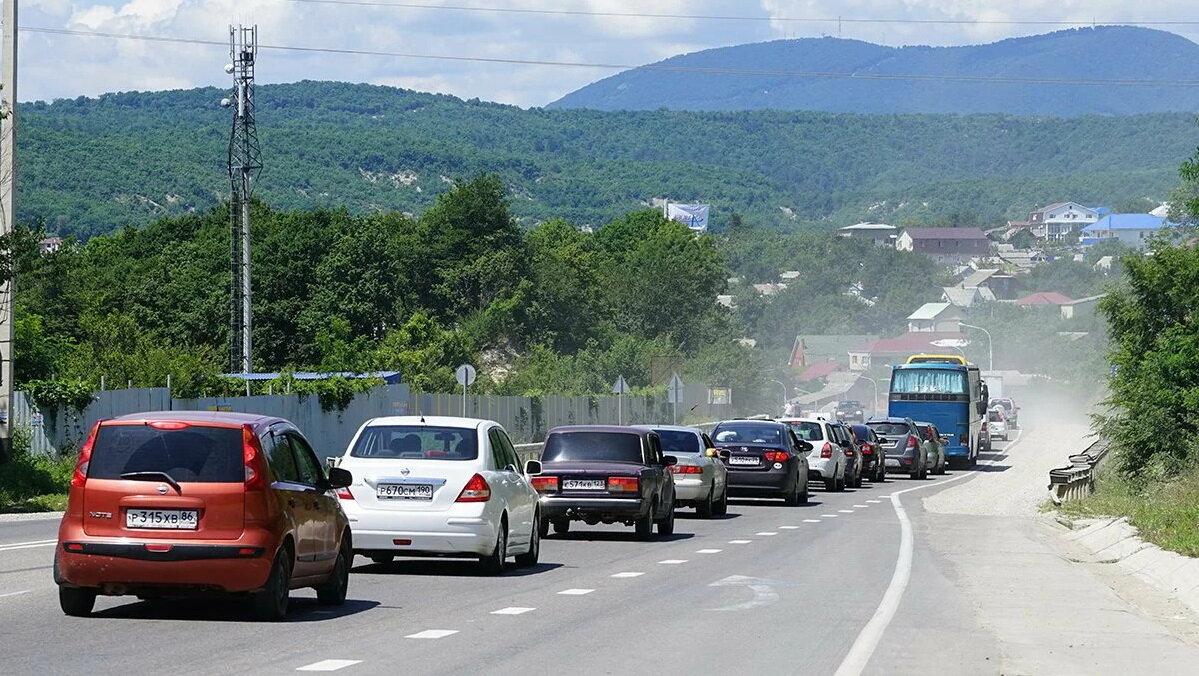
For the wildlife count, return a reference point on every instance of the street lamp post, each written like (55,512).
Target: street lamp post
(990,352)
(873,402)
(786,397)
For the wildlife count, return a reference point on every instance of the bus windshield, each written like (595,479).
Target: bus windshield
(928,381)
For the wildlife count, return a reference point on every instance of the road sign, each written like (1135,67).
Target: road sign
(465,375)
(674,391)
(621,386)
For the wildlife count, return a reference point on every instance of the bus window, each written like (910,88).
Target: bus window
(913,381)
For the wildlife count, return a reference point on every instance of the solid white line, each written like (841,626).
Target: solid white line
(513,610)
(628,574)
(673,562)
(740,542)
(811,520)
(27,545)
(16,593)
(329,665)
(433,633)
(788,527)
(708,551)
(575,592)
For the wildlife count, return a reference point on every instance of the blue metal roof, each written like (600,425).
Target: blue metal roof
(389,377)
(1126,222)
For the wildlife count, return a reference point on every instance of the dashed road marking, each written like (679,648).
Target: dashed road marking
(575,592)
(861,506)
(513,610)
(626,574)
(433,633)
(811,520)
(673,562)
(767,532)
(740,542)
(329,665)
(845,511)
(708,551)
(830,516)
(788,527)
(873,502)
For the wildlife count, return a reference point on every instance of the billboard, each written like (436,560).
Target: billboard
(694,216)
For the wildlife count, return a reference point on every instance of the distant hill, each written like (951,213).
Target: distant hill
(87,166)
(1103,53)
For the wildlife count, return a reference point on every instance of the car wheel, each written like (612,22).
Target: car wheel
(830,485)
(76,602)
(529,558)
(791,498)
(493,563)
(382,559)
(666,526)
(561,526)
(270,603)
(803,496)
(840,484)
(857,478)
(645,525)
(707,507)
(722,507)
(333,592)
(543,527)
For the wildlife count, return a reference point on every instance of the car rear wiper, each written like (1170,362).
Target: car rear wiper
(153,476)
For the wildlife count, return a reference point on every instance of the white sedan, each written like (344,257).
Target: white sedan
(700,478)
(438,486)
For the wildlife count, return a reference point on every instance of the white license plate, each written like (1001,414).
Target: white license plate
(583,484)
(743,460)
(405,491)
(164,519)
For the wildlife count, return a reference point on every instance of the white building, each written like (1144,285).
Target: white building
(935,317)
(880,233)
(1056,221)
(1133,230)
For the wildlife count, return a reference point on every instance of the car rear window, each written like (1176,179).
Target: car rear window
(675,442)
(994,416)
(192,454)
(748,434)
(597,446)
(808,431)
(416,442)
(890,429)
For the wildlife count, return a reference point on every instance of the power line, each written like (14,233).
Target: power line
(980,79)
(727,17)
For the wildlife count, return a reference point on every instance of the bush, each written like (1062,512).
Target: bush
(27,478)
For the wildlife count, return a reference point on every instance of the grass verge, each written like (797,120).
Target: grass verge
(30,483)
(1166,514)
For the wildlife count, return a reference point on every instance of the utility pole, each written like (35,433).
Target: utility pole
(8,212)
(245,163)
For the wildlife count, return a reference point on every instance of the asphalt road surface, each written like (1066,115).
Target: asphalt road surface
(854,582)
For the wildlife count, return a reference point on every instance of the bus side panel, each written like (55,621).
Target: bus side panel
(952,419)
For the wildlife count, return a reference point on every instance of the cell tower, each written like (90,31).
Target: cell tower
(245,163)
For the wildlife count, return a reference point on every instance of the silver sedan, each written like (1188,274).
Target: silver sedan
(700,478)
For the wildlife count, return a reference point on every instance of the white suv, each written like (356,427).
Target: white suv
(435,486)
(826,461)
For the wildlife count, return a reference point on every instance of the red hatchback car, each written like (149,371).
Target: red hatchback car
(188,502)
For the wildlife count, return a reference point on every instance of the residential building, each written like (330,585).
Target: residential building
(1083,307)
(935,317)
(947,245)
(966,298)
(1056,221)
(1042,298)
(998,284)
(769,289)
(879,233)
(888,351)
(809,350)
(49,245)
(1133,230)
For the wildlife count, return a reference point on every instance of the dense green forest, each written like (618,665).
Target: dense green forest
(90,166)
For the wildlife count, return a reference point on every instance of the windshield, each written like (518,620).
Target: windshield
(598,446)
(931,381)
(191,454)
(888,428)
(808,431)
(675,442)
(416,442)
(748,433)
(850,404)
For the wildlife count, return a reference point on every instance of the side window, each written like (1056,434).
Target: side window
(708,442)
(497,449)
(510,456)
(654,448)
(280,458)
(311,473)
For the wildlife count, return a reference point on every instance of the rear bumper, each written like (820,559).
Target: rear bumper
(554,507)
(753,483)
(690,490)
(902,465)
(959,451)
(466,532)
(121,567)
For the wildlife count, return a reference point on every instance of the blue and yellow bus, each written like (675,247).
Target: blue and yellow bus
(951,396)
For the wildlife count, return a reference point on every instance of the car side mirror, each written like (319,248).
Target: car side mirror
(339,478)
(669,460)
(711,452)
(533,467)
(804,446)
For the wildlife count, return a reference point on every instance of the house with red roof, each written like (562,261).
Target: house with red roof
(1043,298)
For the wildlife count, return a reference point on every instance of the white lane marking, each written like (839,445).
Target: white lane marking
(16,593)
(845,511)
(27,545)
(767,532)
(628,574)
(788,527)
(433,633)
(861,506)
(575,592)
(740,542)
(830,516)
(873,502)
(512,610)
(868,639)
(673,562)
(329,665)
(811,520)
(708,551)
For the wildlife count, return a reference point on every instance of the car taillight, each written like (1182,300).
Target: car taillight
(344,494)
(476,490)
(777,456)
(169,425)
(867,449)
(687,469)
(912,443)
(623,484)
(545,484)
(85,457)
(827,450)
(254,460)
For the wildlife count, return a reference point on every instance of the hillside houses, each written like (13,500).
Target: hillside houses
(1057,221)
(947,245)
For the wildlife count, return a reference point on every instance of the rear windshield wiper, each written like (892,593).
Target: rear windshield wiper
(153,476)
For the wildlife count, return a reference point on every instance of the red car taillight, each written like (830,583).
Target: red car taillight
(867,449)
(912,443)
(344,494)
(476,490)
(85,456)
(687,469)
(827,450)
(623,484)
(254,459)
(777,456)
(545,484)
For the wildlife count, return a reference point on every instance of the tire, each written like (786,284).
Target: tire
(333,592)
(543,527)
(666,526)
(493,563)
(529,558)
(792,499)
(840,484)
(76,602)
(722,507)
(644,526)
(706,508)
(382,559)
(803,496)
(270,604)
(857,478)
(561,526)
(880,472)
(830,485)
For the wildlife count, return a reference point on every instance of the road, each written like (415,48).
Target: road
(840,584)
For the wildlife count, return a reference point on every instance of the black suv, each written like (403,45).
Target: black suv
(851,410)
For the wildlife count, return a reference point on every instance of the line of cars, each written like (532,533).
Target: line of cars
(182,503)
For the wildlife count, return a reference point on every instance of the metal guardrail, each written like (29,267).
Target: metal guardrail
(1078,480)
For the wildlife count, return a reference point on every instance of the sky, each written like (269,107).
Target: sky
(65,66)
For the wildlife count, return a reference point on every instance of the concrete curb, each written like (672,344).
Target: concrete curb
(1116,542)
